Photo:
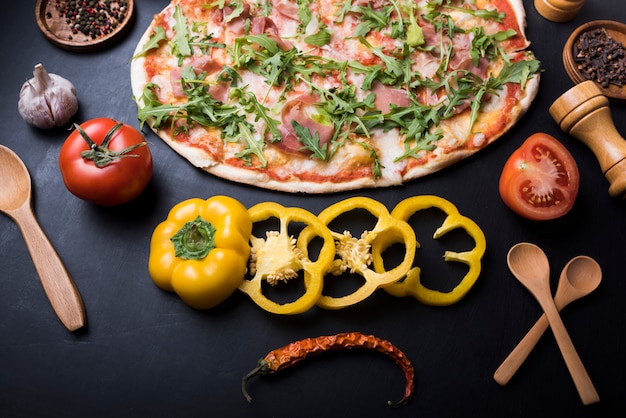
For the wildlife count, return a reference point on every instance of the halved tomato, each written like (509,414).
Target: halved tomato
(540,179)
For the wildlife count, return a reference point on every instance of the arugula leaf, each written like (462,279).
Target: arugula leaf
(371,19)
(377,171)
(345,8)
(398,27)
(205,43)
(321,38)
(518,72)
(229,75)
(443,23)
(153,42)
(310,142)
(151,102)
(398,71)
(181,36)
(372,72)
(235,8)
(486,46)
(304,14)
(254,147)
(250,104)
(414,34)
(481,13)
(425,143)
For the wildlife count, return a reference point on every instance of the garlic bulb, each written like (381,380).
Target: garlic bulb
(47,100)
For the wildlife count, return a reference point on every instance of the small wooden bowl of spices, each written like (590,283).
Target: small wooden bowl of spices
(84,25)
(597,51)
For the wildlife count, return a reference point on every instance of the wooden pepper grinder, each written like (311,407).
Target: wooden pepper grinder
(583,112)
(559,10)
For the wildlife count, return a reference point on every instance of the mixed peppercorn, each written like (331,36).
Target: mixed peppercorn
(600,58)
(92,18)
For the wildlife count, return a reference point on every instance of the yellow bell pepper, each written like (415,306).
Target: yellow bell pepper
(411,284)
(355,254)
(201,250)
(280,257)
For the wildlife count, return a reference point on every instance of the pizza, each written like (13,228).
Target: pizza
(320,96)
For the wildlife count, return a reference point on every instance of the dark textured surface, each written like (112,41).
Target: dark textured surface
(145,353)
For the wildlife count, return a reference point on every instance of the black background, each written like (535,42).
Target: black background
(145,353)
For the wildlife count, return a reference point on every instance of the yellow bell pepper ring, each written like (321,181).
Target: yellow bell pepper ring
(411,285)
(201,250)
(280,257)
(354,254)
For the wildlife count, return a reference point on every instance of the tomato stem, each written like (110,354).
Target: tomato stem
(101,155)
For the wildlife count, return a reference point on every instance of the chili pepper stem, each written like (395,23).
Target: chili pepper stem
(261,368)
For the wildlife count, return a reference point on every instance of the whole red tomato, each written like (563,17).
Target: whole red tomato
(105,162)
(540,179)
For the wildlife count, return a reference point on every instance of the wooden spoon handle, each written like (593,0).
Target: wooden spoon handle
(56,281)
(512,363)
(586,390)
(522,350)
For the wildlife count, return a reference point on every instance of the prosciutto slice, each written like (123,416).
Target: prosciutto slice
(236,24)
(264,25)
(287,8)
(386,96)
(301,110)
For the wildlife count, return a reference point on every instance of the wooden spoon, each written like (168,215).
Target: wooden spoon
(15,201)
(579,277)
(530,266)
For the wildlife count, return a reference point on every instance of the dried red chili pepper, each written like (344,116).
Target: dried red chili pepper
(297,351)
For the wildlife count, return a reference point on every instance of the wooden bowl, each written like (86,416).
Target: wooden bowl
(617,31)
(59,32)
